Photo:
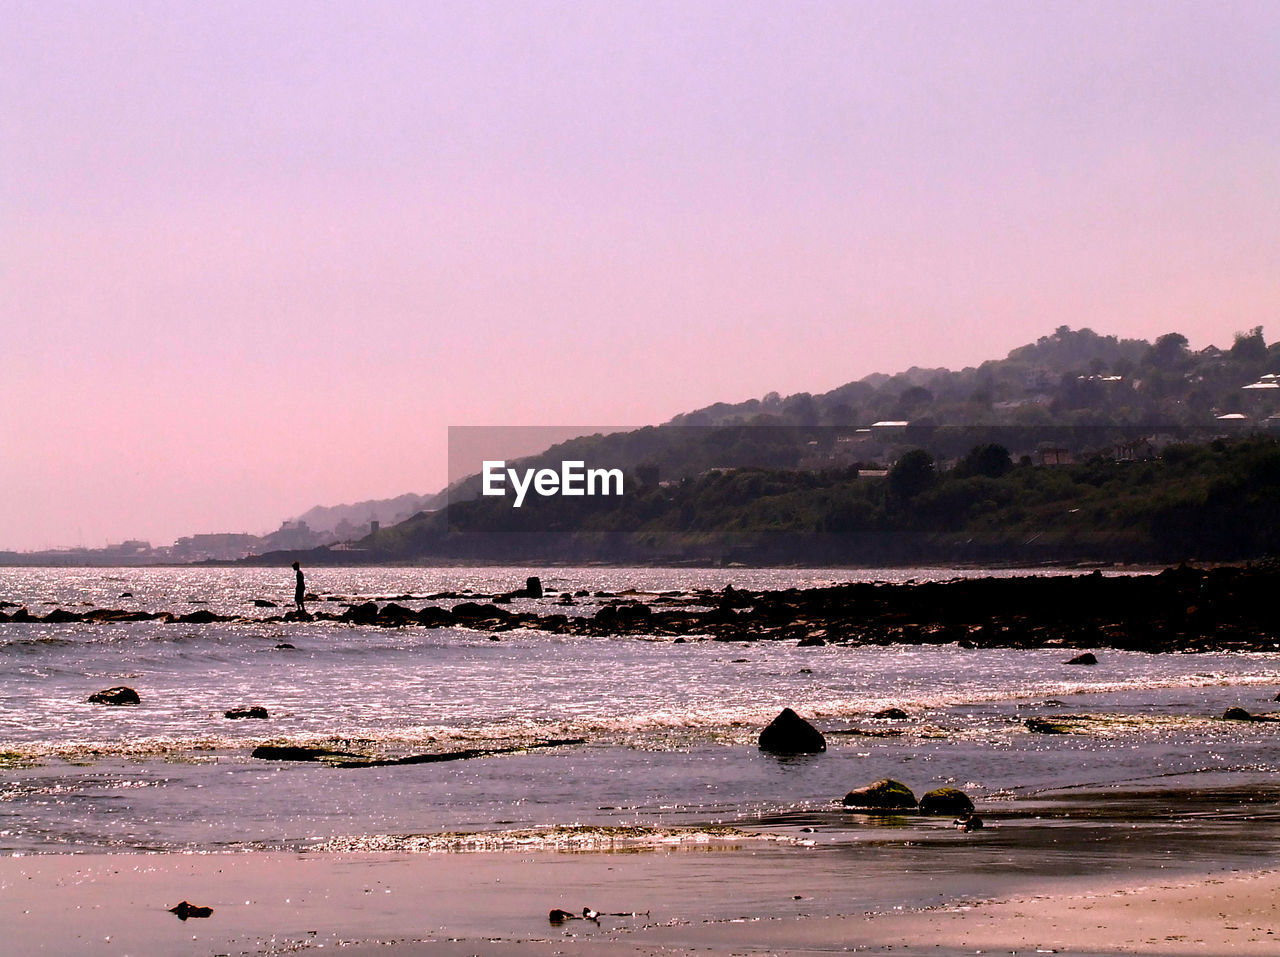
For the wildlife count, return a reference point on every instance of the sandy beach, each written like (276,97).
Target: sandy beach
(732,901)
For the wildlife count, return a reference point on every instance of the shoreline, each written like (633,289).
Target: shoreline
(1182,609)
(497,903)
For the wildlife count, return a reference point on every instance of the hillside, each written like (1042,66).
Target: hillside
(1105,440)
(1067,378)
(1199,501)
(388,511)
(1075,392)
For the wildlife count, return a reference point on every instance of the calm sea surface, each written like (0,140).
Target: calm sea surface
(670,729)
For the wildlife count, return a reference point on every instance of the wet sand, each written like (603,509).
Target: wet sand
(736,901)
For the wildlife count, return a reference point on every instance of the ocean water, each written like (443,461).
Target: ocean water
(669,755)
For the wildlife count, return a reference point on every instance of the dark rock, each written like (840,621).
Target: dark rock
(1237,714)
(1087,658)
(264,603)
(1044,726)
(634,613)
(363,614)
(463,754)
(293,752)
(869,732)
(126,594)
(891,714)
(789,733)
(60,616)
(285,646)
(115,614)
(201,617)
(533,587)
(945,801)
(435,617)
(187,909)
(884,795)
(252,711)
(118,695)
(393,614)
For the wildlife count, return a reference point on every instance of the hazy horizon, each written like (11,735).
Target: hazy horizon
(257,259)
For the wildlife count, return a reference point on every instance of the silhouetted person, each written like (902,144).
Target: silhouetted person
(300,589)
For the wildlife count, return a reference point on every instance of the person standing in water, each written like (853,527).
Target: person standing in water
(300,589)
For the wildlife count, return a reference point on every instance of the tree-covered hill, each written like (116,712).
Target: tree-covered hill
(1073,389)
(1208,501)
(1074,447)
(1067,378)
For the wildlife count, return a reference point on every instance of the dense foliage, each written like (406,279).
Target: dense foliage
(1218,500)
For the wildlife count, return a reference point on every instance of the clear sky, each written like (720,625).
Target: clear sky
(259,256)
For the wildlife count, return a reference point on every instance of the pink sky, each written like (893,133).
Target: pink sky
(257,257)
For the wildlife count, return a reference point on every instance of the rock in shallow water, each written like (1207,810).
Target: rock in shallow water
(945,801)
(252,711)
(884,795)
(187,909)
(1240,714)
(118,696)
(789,733)
(1045,726)
(892,714)
(294,752)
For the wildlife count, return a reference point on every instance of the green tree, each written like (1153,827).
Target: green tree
(991,460)
(912,474)
(1168,351)
(1249,346)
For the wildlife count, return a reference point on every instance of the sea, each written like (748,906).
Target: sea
(665,753)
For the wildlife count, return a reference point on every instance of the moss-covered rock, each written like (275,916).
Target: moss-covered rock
(884,795)
(945,801)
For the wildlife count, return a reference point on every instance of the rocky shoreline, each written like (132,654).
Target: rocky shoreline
(1181,609)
